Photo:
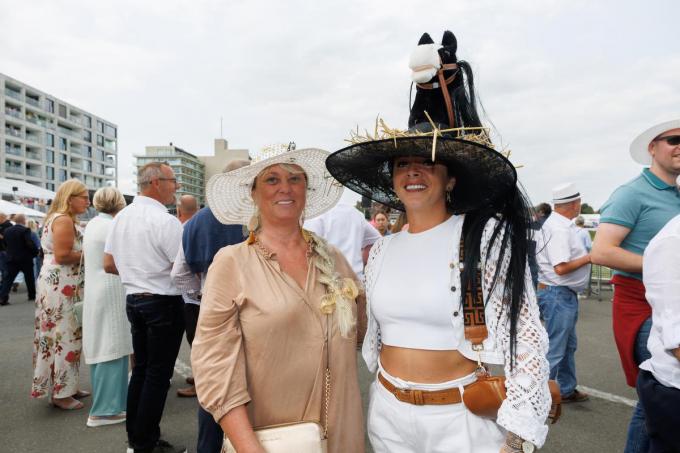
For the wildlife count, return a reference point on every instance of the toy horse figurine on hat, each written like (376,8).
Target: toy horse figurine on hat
(444,86)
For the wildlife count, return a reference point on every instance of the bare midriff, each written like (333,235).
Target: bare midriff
(425,366)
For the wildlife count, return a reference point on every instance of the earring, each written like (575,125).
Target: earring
(448,196)
(302,220)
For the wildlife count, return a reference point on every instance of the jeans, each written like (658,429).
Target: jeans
(638,440)
(662,414)
(210,435)
(559,310)
(157,325)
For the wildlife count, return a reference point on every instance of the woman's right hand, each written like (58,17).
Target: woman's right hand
(238,429)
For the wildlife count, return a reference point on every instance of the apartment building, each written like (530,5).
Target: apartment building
(44,140)
(189,170)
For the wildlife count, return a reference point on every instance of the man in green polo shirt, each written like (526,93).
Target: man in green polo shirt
(632,216)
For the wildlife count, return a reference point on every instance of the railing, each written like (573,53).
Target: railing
(599,275)
(15,170)
(30,100)
(38,121)
(13,150)
(13,94)
(66,131)
(34,138)
(33,155)
(31,172)
(14,113)
(14,132)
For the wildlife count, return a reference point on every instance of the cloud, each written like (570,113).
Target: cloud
(567,84)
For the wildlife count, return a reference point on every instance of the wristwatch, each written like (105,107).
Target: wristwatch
(528,447)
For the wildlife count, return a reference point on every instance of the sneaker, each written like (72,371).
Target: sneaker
(187,392)
(575,397)
(163,446)
(104,420)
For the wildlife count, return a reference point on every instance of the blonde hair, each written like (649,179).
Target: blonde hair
(60,204)
(341,293)
(108,200)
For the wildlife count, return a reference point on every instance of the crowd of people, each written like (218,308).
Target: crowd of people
(276,284)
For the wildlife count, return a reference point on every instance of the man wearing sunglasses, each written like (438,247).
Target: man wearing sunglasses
(632,216)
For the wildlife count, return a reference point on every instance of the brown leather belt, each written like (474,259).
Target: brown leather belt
(422,397)
(542,286)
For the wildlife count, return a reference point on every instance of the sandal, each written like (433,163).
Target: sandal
(65,404)
(82,394)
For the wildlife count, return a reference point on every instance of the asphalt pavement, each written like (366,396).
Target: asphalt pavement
(27,425)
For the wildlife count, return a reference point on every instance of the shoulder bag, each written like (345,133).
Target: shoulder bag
(298,437)
(485,396)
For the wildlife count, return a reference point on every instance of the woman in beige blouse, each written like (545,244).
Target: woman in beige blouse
(259,354)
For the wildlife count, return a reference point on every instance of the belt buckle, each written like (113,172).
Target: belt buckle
(414,397)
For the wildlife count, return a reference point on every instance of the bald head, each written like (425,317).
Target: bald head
(20,219)
(186,207)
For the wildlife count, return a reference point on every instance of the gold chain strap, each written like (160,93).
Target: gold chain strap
(327,376)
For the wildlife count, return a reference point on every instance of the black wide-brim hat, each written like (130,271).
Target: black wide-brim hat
(484,177)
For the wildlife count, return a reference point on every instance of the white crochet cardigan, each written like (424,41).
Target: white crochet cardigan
(526,408)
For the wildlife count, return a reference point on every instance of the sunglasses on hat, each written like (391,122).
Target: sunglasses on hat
(673,140)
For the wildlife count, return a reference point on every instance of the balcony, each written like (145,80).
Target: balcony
(34,138)
(13,112)
(32,101)
(33,155)
(35,172)
(13,151)
(13,94)
(13,169)
(67,131)
(13,132)
(37,120)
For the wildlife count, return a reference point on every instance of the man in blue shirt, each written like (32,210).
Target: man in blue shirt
(632,216)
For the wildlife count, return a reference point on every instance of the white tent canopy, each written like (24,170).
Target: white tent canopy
(8,208)
(24,189)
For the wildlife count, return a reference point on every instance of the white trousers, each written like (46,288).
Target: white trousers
(398,427)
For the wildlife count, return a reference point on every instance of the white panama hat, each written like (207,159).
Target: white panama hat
(564,193)
(229,194)
(639,148)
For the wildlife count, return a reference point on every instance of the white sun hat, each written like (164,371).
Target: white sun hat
(564,193)
(639,148)
(229,194)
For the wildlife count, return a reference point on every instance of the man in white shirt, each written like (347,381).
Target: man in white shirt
(658,383)
(563,271)
(345,227)
(141,247)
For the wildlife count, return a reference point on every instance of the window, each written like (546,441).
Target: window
(100,140)
(62,175)
(87,121)
(100,155)
(49,104)
(100,126)
(49,186)
(87,136)
(88,151)
(50,173)
(49,139)
(62,143)
(49,155)
(109,130)
(62,110)
(64,160)
(88,165)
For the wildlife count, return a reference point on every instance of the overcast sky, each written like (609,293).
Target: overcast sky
(567,84)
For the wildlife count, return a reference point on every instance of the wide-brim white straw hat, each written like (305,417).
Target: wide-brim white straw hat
(229,194)
(565,193)
(639,148)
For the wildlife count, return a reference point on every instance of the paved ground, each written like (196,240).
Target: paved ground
(598,425)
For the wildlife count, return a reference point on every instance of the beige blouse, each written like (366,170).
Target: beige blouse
(260,340)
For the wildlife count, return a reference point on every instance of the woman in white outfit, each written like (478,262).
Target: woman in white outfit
(451,184)
(107,341)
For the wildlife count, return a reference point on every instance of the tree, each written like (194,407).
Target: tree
(587,209)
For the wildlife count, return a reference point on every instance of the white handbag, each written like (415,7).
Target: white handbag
(299,437)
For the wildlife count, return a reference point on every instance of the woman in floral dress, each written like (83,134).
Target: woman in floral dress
(57,343)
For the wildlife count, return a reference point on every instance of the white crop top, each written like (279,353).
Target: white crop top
(415,299)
